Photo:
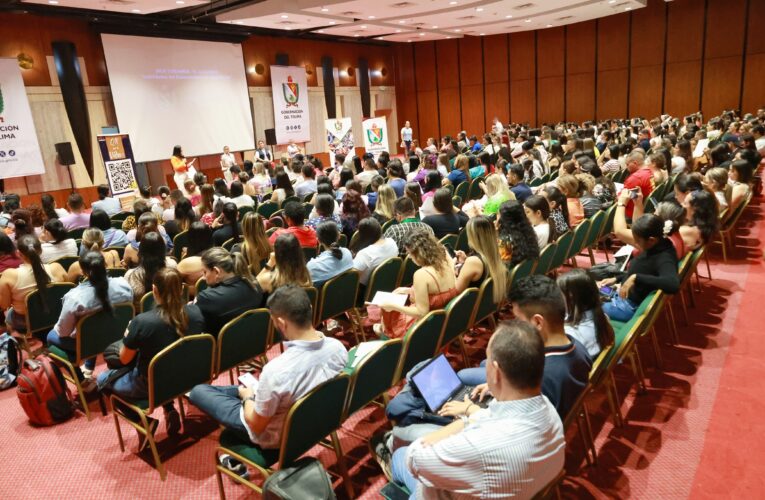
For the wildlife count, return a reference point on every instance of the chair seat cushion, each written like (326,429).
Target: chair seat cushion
(617,325)
(58,352)
(232,441)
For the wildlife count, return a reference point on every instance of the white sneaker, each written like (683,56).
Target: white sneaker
(86,372)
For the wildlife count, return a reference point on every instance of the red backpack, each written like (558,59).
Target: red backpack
(42,391)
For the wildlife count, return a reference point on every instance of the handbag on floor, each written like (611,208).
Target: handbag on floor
(9,361)
(42,391)
(306,480)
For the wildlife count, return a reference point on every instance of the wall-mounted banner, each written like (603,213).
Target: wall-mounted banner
(290,94)
(375,135)
(19,150)
(339,137)
(118,161)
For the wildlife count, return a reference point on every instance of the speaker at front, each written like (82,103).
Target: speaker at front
(270,136)
(65,153)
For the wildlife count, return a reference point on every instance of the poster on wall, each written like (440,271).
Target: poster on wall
(118,162)
(290,95)
(375,135)
(339,137)
(19,150)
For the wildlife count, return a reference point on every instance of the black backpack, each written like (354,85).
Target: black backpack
(9,361)
(305,480)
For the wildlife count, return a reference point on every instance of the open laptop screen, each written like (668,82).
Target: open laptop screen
(436,381)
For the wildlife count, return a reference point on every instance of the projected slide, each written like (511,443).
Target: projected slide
(169,92)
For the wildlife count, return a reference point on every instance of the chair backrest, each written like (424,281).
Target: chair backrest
(462,241)
(563,244)
(485,300)
(546,258)
(76,234)
(462,190)
(66,261)
(180,241)
(116,272)
(608,224)
(176,369)
(449,239)
(200,285)
(99,329)
(407,272)
(120,251)
(229,243)
(521,270)
(388,223)
(343,240)
(421,341)
(121,216)
(290,199)
(313,296)
(244,210)
(475,191)
(302,429)
(309,253)
(267,209)
(338,295)
(459,313)
(147,302)
(624,336)
(577,242)
(38,320)
(596,227)
(373,375)
(354,239)
(243,338)
(537,181)
(457,201)
(384,278)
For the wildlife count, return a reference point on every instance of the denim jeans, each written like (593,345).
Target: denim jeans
(400,472)
(473,376)
(131,385)
(620,309)
(222,404)
(69,346)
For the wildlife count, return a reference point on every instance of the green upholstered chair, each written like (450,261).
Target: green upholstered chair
(242,339)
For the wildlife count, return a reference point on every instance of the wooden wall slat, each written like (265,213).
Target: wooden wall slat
(580,71)
(471,84)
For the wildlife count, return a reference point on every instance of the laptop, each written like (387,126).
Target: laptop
(438,383)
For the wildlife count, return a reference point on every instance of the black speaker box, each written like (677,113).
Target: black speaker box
(270,136)
(65,154)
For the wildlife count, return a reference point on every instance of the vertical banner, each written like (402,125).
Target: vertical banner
(290,95)
(118,161)
(19,150)
(375,135)
(339,137)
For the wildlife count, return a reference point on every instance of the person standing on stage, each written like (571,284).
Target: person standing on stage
(406,138)
(181,168)
(227,160)
(263,153)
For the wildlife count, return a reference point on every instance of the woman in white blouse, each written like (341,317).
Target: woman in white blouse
(371,249)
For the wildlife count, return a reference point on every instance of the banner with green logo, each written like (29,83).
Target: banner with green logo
(375,135)
(290,93)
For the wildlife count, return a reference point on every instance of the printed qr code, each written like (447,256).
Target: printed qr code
(121,176)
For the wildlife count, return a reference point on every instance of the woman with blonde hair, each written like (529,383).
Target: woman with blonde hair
(149,333)
(93,241)
(716,180)
(496,193)
(386,197)
(461,172)
(260,180)
(571,187)
(484,261)
(433,285)
(254,246)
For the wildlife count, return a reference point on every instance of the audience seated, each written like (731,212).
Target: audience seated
(286,265)
(434,285)
(238,197)
(354,209)
(537,211)
(407,224)
(93,241)
(151,257)
(31,275)
(183,217)
(585,319)
(231,289)
(112,237)
(484,260)
(147,223)
(96,293)
(333,259)
(190,265)
(384,206)
(371,249)
(447,219)
(9,257)
(309,359)
(48,204)
(294,214)
(105,202)
(55,242)
(254,246)
(324,206)
(77,218)
(226,225)
(516,237)
(558,210)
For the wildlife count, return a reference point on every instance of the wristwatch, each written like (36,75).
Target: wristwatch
(464,419)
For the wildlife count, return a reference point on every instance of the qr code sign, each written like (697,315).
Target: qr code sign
(121,176)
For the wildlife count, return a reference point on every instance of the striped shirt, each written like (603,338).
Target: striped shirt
(399,232)
(512,448)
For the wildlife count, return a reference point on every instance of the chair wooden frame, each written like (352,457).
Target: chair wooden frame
(143,427)
(221,337)
(24,336)
(443,344)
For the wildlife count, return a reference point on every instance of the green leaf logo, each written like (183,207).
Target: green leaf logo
(2,103)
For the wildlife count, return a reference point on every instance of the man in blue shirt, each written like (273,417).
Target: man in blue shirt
(519,188)
(105,202)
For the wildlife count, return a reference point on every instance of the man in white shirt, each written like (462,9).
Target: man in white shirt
(497,128)
(238,197)
(105,202)
(513,448)
(308,184)
(257,413)
(758,131)
(227,160)
(262,153)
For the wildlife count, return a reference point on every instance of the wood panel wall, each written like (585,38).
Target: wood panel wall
(670,57)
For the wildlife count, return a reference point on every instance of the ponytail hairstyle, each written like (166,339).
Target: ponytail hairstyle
(48,206)
(151,257)
(673,216)
(200,239)
(228,263)
(29,247)
(93,239)
(231,214)
(146,223)
(22,223)
(170,303)
(184,214)
(327,234)
(552,193)
(56,229)
(93,267)
(581,294)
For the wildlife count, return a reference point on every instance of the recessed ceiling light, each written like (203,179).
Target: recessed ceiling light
(364,27)
(482,34)
(381,38)
(509,16)
(452,3)
(401,22)
(457,30)
(528,20)
(611,1)
(398,31)
(370,17)
(239,22)
(324,9)
(332,22)
(53,2)
(435,27)
(549,25)
(628,8)
(479,9)
(408,40)
(134,11)
(448,37)
(356,36)
(285,16)
(320,31)
(179,2)
(422,34)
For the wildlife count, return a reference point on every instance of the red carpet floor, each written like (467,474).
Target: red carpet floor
(696,432)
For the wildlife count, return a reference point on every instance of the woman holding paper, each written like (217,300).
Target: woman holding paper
(183,170)
(434,285)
